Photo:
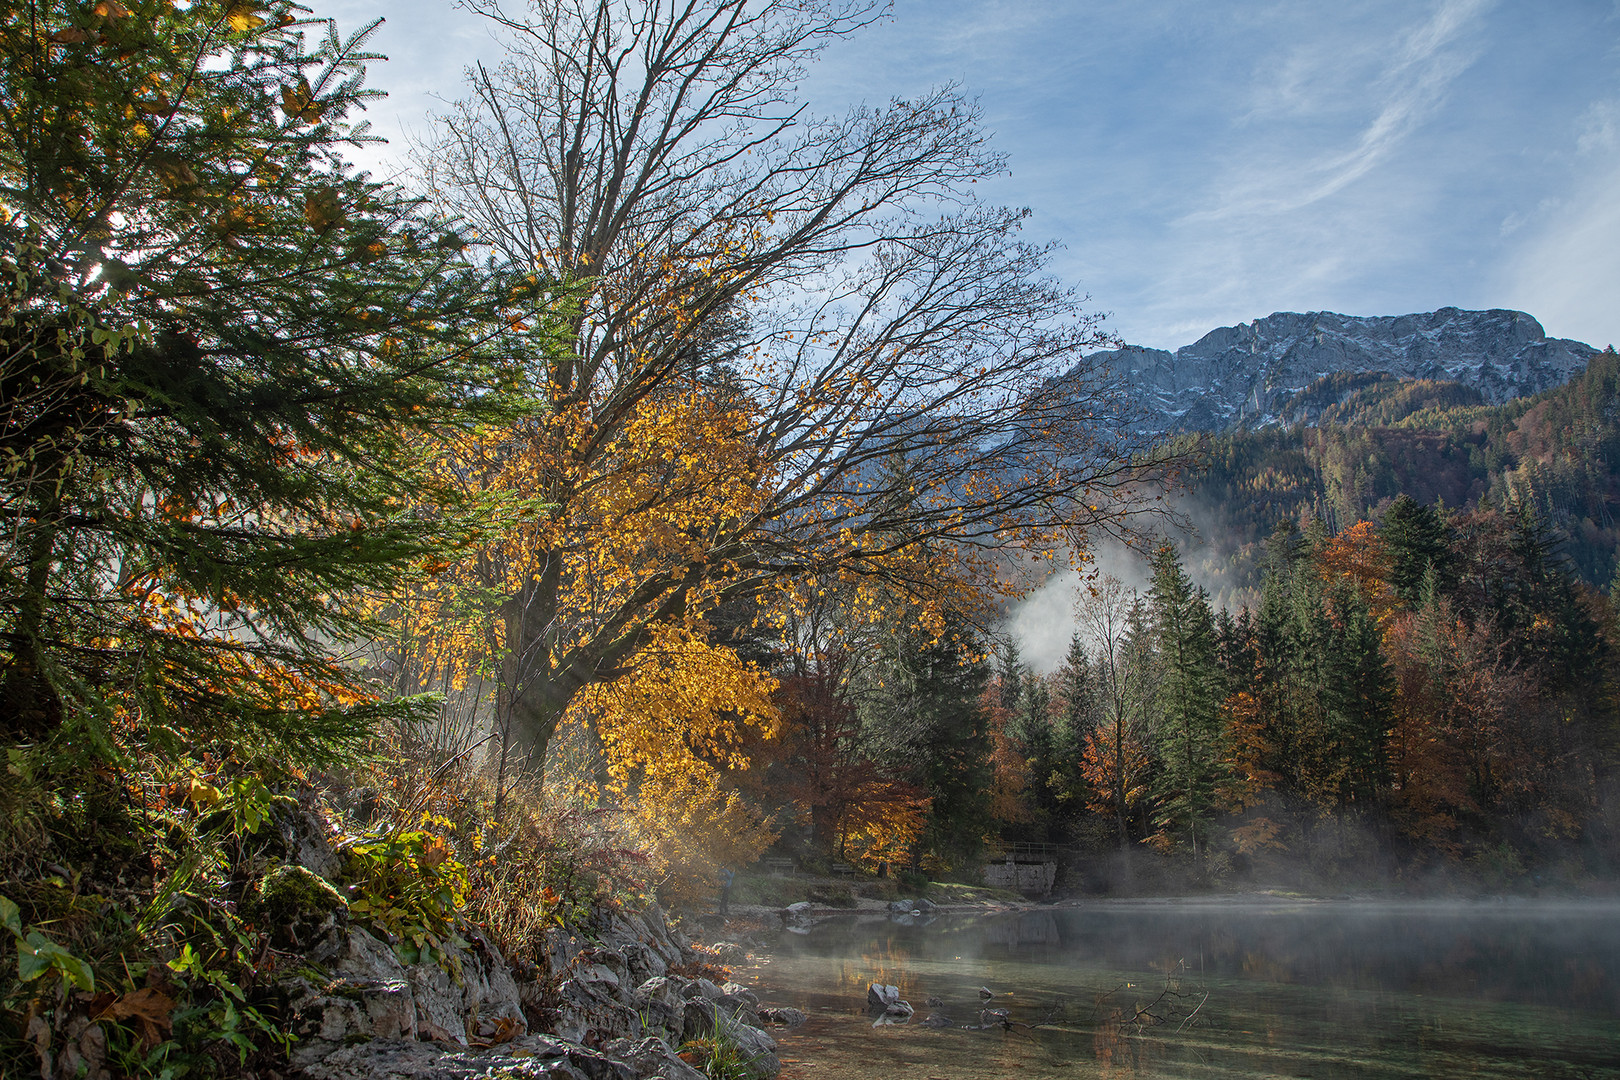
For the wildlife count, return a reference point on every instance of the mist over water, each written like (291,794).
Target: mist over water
(1150,989)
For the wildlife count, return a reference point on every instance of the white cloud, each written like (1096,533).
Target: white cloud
(1409,90)
(1599,129)
(1568,273)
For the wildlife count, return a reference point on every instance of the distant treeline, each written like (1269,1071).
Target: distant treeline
(1375,438)
(1430,691)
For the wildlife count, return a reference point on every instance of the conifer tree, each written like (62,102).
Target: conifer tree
(1010,674)
(1284,686)
(219,342)
(921,706)
(1417,538)
(1034,730)
(1359,697)
(1076,701)
(1187,728)
(1075,716)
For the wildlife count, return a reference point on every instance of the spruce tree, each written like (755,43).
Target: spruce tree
(1187,729)
(1076,715)
(1010,673)
(221,348)
(1417,538)
(1034,730)
(1359,693)
(923,718)
(1077,689)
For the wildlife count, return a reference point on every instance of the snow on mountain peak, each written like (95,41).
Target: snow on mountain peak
(1244,375)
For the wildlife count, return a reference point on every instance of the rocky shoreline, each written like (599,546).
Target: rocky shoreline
(615,996)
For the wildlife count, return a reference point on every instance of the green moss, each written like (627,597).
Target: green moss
(832,894)
(291,894)
(950,892)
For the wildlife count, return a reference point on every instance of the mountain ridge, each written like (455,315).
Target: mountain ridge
(1246,377)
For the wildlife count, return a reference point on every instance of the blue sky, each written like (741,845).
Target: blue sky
(1206,163)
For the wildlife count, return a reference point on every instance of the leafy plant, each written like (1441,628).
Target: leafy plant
(410,886)
(38,955)
(229,1016)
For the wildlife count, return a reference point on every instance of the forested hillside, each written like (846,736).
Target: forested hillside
(1377,438)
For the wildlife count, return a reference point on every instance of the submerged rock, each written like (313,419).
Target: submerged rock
(879,996)
(784,1016)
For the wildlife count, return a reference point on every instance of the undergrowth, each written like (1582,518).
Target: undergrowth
(149,912)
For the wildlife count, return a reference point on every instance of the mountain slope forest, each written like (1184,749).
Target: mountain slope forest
(1374,438)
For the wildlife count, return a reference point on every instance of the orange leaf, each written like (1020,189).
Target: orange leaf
(322,209)
(299,102)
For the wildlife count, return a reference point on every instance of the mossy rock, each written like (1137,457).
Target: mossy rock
(293,896)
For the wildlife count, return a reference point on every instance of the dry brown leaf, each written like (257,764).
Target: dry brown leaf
(38,1033)
(299,103)
(111,9)
(434,854)
(322,209)
(148,1007)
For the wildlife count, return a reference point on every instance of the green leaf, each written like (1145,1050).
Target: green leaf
(10,916)
(38,954)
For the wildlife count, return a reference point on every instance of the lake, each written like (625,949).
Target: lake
(1138,990)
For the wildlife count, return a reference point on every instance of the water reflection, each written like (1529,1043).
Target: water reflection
(1146,990)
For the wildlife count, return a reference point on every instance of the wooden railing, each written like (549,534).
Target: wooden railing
(1021,852)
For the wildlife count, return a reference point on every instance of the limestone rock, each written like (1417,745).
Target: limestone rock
(701,988)
(729,952)
(441,1014)
(652,1058)
(368,997)
(588,1012)
(879,996)
(758,1047)
(373,996)
(533,1056)
(308,842)
(782,1015)
(737,990)
(700,1018)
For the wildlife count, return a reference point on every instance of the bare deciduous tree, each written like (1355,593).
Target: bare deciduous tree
(911,374)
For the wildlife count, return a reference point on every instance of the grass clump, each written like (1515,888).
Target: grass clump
(720,1056)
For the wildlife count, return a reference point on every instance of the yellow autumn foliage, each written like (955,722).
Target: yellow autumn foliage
(669,730)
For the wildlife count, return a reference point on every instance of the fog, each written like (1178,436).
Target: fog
(1260,987)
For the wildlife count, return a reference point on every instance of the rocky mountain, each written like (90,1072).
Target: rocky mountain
(1287,367)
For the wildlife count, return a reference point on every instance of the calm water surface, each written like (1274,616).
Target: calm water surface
(1140,990)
